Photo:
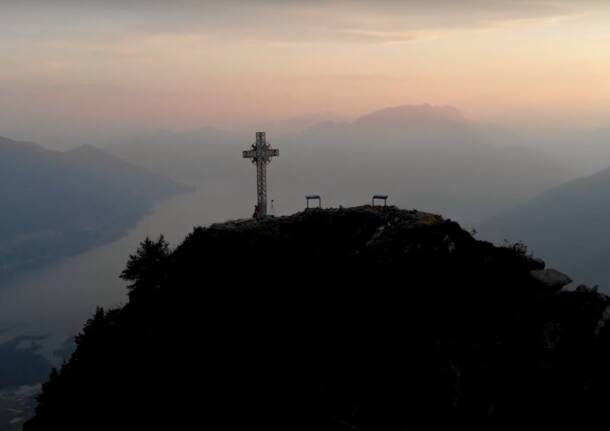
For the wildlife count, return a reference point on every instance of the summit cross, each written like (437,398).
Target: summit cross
(261,153)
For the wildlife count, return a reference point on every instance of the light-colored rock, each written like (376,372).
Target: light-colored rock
(551,277)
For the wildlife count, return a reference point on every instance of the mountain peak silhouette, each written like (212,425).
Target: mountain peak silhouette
(413,116)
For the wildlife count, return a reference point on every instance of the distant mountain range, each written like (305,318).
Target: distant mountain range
(418,117)
(57,204)
(422,156)
(568,225)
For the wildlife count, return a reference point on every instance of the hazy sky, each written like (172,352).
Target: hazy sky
(73,65)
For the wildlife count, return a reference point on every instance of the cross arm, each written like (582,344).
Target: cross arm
(270,152)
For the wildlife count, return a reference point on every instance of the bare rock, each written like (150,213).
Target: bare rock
(551,278)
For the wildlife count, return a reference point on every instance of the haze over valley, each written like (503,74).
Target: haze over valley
(127,120)
(62,203)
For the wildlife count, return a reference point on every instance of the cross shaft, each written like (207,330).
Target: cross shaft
(261,154)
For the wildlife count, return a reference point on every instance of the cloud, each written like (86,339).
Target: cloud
(357,21)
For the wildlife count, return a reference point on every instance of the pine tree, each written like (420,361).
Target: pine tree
(144,269)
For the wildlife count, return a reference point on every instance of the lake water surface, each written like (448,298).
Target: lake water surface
(57,301)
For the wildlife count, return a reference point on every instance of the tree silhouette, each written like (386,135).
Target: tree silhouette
(144,269)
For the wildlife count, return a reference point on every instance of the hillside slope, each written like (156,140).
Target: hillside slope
(57,204)
(338,319)
(568,225)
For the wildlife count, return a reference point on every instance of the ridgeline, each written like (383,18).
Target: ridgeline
(340,319)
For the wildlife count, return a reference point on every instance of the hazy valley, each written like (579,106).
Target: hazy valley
(424,157)
(60,204)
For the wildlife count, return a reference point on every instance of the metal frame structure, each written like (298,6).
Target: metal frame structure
(313,198)
(261,154)
(383,198)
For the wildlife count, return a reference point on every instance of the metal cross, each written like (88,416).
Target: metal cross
(261,154)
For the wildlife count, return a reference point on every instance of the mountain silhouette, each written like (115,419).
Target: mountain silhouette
(357,318)
(568,225)
(423,156)
(61,203)
(414,116)
(426,157)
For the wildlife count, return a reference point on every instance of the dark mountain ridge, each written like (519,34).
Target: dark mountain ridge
(61,203)
(361,318)
(575,213)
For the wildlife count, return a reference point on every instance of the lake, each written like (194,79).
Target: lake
(56,302)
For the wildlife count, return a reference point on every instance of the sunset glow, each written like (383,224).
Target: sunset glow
(140,64)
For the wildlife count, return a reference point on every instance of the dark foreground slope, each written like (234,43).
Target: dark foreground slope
(349,319)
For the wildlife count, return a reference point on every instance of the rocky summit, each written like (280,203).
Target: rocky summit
(340,319)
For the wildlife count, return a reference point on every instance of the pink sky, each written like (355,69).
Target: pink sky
(134,63)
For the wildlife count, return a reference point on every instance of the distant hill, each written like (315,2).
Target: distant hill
(57,204)
(568,225)
(203,154)
(422,156)
(422,116)
(338,319)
